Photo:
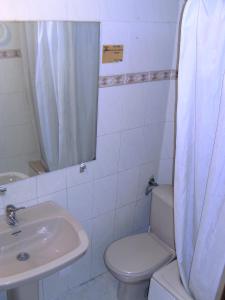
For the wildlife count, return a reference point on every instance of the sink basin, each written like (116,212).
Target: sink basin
(46,239)
(10,177)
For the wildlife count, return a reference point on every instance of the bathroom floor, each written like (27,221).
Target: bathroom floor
(103,287)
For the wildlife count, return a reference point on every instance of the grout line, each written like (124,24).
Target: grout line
(121,131)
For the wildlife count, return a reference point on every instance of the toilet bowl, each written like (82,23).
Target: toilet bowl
(134,259)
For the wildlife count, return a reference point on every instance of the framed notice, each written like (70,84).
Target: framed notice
(112,53)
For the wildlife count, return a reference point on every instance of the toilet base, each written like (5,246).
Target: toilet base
(133,291)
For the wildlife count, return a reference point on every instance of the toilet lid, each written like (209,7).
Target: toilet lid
(138,256)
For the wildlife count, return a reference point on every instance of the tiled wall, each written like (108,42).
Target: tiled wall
(135,129)
(18,139)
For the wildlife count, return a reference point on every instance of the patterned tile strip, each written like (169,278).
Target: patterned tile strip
(10,53)
(131,78)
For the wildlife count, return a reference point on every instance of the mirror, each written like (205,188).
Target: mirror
(48,96)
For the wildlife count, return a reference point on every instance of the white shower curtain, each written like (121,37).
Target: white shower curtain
(200,149)
(63,67)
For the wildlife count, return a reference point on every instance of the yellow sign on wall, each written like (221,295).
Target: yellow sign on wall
(112,53)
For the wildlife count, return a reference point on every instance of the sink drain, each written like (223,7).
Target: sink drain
(23,256)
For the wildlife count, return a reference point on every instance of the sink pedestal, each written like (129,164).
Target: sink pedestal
(28,291)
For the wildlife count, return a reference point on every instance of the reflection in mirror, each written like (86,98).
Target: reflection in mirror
(48,96)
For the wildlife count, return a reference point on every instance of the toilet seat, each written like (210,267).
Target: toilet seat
(136,258)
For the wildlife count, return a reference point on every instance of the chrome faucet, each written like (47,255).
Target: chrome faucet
(11,214)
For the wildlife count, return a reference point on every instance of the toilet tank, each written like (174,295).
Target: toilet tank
(162,215)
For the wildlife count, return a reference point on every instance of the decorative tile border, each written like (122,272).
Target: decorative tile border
(10,53)
(132,78)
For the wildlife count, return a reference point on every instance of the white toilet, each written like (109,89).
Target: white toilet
(134,259)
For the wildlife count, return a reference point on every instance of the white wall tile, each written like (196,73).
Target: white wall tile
(3,296)
(11,80)
(158,10)
(117,10)
(141,51)
(54,286)
(124,221)
(97,262)
(14,109)
(18,140)
(1,206)
(20,191)
(80,270)
(165,171)
(88,227)
(153,135)
(13,10)
(51,182)
(133,149)
(41,290)
(103,235)
(75,177)
(172,102)
(105,193)
(25,204)
(167,150)
(155,10)
(142,213)
(88,11)
(150,43)
(80,201)
(134,104)
(57,9)
(127,186)
(103,230)
(77,293)
(107,155)
(59,197)
(110,109)
(158,98)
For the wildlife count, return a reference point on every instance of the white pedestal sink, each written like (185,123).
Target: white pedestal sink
(46,239)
